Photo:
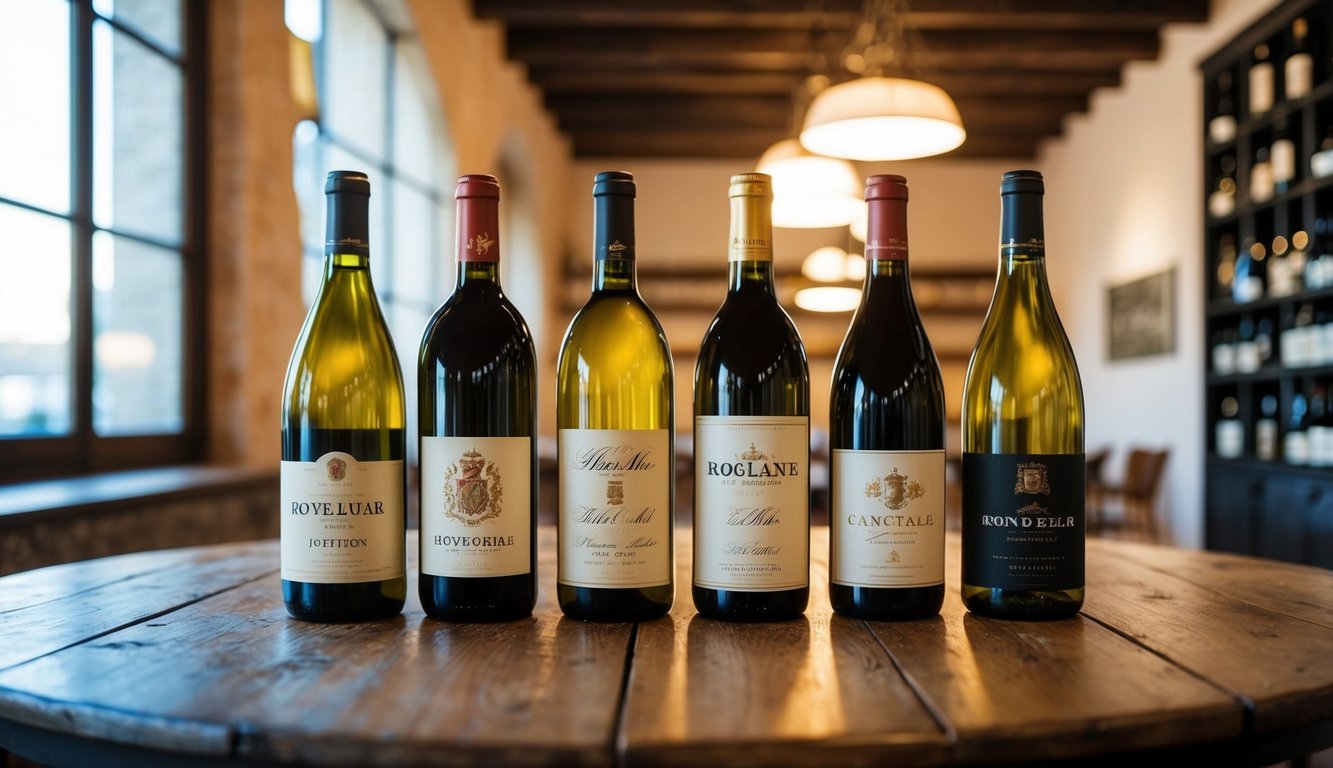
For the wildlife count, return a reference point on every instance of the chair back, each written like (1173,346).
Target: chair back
(1143,473)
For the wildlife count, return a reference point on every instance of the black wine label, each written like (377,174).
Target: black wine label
(1023,521)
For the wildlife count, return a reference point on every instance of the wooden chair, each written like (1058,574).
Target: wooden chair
(1095,486)
(1137,495)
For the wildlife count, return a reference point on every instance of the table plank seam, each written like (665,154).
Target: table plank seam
(620,739)
(927,703)
(101,585)
(141,620)
(1212,588)
(1247,705)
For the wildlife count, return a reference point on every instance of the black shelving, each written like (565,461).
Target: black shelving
(1268,508)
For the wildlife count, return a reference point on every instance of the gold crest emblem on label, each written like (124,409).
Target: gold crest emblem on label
(1032,479)
(337,469)
(895,490)
(472,490)
(754,454)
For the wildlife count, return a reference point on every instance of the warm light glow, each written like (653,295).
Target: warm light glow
(861,223)
(125,349)
(856,267)
(810,191)
(825,265)
(882,118)
(828,298)
(304,18)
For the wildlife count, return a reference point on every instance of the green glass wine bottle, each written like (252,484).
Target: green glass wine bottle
(1023,464)
(616,453)
(343,478)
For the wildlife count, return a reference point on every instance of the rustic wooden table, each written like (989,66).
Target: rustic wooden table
(187,657)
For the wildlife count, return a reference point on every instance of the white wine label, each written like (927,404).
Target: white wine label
(342,520)
(887,519)
(615,508)
(752,502)
(476,506)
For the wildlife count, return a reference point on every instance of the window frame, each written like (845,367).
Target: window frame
(83,451)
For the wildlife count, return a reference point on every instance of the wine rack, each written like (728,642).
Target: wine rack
(1268,315)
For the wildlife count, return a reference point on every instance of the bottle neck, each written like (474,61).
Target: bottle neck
(750,244)
(886,249)
(613,243)
(1022,271)
(478,248)
(347,236)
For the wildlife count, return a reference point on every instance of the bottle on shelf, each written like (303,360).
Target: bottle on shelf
(1248,283)
(1321,162)
(616,425)
(1222,200)
(1319,429)
(1230,432)
(477,406)
(1321,333)
(1298,70)
(1282,159)
(1261,177)
(344,450)
(1261,81)
(1283,279)
(1263,340)
(887,438)
(1226,264)
(1265,429)
(1224,351)
(751,435)
(1303,341)
(1222,127)
(1023,460)
(1247,348)
(1296,443)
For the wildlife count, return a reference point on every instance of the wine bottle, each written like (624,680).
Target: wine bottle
(343,478)
(1222,128)
(615,414)
(886,438)
(751,435)
(1299,66)
(1023,464)
(478,404)
(1261,81)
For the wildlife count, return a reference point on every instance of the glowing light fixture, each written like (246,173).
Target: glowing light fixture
(883,114)
(810,191)
(861,223)
(828,298)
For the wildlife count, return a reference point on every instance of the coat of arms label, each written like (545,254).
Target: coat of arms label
(1032,479)
(895,490)
(472,490)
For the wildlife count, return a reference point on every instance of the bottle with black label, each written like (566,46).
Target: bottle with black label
(1022,429)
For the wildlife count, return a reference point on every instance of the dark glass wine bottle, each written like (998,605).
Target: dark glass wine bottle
(343,518)
(751,435)
(478,403)
(1023,461)
(886,437)
(615,414)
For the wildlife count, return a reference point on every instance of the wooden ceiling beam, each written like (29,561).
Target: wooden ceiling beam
(959,83)
(844,14)
(788,51)
(618,142)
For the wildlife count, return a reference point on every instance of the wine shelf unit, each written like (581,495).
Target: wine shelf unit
(1259,500)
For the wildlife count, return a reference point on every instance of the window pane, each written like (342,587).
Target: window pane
(416,124)
(308,177)
(406,325)
(354,50)
(414,273)
(34,86)
(35,351)
(138,138)
(137,325)
(158,20)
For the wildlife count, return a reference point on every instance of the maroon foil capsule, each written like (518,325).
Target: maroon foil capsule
(886,228)
(478,224)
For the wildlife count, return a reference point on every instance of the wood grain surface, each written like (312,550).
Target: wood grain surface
(190,653)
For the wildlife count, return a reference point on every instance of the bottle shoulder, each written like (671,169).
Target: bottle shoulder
(477,323)
(620,317)
(750,334)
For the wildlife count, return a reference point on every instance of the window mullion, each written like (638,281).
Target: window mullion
(81,169)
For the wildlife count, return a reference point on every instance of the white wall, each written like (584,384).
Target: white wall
(1124,199)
